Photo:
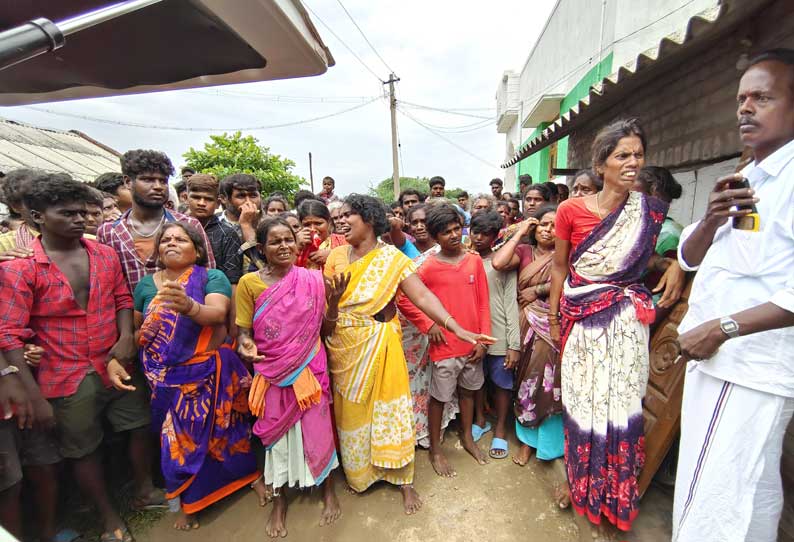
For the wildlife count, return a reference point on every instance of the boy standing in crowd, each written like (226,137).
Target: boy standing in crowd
(202,200)
(458,279)
(437,185)
(71,299)
(504,353)
(113,183)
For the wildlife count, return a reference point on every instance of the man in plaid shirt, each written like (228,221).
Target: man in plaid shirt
(132,236)
(71,300)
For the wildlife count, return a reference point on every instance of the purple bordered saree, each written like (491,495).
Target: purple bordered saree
(286,329)
(199,404)
(606,314)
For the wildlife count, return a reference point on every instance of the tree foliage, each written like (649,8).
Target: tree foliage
(227,154)
(385,188)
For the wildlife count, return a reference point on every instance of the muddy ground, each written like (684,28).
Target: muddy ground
(494,503)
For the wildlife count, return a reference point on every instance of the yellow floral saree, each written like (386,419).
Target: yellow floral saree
(372,397)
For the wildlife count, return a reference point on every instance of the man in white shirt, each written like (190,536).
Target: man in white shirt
(739,388)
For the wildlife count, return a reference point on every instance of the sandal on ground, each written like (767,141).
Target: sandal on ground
(477,432)
(122,534)
(498,448)
(153,501)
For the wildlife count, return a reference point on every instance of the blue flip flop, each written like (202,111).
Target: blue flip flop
(498,444)
(477,432)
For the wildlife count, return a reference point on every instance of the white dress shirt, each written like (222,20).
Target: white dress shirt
(743,269)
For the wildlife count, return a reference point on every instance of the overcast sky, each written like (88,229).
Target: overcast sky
(448,55)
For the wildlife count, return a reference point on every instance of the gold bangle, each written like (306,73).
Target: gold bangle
(197,306)
(447,320)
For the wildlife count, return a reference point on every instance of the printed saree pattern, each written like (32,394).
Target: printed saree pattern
(199,404)
(606,312)
(372,396)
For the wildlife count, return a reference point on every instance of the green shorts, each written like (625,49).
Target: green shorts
(23,448)
(79,416)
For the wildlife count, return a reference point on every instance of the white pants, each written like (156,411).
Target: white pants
(728,486)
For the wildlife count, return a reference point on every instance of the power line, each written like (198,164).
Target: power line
(432,131)
(443,110)
(192,129)
(370,70)
(365,37)
(285,99)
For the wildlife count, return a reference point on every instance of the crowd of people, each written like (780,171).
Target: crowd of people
(267,344)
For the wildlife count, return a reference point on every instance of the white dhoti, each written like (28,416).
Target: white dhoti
(728,486)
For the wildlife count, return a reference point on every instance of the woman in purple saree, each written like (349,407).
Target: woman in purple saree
(280,311)
(199,385)
(605,243)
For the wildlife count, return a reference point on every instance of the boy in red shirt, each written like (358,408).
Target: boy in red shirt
(458,279)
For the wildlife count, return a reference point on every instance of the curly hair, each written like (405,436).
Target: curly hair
(489,223)
(312,207)
(15,184)
(440,216)
(240,181)
(109,182)
(607,139)
(138,161)
(267,224)
(192,233)
(50,189)
(371,211)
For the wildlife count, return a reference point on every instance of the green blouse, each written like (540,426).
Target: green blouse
(217,283)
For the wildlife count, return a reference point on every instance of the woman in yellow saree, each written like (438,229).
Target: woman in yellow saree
(372,397)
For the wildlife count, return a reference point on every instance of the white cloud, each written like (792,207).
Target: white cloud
(447,54)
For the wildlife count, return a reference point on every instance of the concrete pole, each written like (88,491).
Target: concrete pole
(394,161)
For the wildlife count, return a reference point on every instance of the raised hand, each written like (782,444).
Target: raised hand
(335,287)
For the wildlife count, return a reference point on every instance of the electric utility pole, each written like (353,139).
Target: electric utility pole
(394,162)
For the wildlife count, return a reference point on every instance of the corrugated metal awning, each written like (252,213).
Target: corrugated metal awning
(701,30)
(54,151)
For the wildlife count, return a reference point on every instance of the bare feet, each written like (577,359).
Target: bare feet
(474,450)
(411,501)
(331,509)
(185,522)
(523,455)
(277,523)
(441,465)
(562,494)
(263,492)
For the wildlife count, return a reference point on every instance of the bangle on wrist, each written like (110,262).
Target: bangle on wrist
(448,318)
(196,306)
(331,319)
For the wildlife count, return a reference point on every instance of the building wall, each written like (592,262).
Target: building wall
(554,67)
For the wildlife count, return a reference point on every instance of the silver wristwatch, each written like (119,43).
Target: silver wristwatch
(11,369)
(729,326)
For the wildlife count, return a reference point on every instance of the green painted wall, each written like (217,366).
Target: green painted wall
(537,165)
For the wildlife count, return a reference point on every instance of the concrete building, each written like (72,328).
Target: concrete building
(583,41)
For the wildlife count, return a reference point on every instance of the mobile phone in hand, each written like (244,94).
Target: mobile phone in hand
(749,222)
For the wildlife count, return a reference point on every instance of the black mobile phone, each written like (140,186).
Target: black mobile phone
(749,222)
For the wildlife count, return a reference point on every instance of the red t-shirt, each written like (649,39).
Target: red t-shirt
(463,290)
(574,221)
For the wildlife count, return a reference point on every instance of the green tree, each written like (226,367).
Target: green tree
(227,154)
(385,188)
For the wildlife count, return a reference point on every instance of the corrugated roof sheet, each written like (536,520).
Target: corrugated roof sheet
(602,93)
(54,151)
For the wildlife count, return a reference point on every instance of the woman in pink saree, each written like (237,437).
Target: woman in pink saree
(280,315)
